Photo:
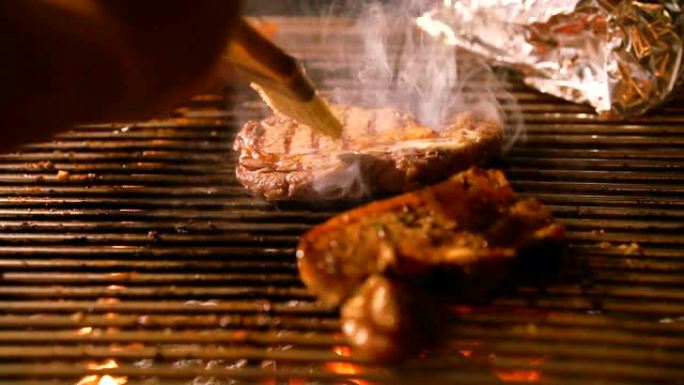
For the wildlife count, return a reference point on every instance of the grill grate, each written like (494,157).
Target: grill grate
(143,261)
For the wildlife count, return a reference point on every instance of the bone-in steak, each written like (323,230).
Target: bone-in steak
(392,263)
(381,151)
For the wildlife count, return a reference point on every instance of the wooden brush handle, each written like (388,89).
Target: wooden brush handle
(265,63)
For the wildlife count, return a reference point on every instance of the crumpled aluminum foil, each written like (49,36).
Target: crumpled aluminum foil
(622,57)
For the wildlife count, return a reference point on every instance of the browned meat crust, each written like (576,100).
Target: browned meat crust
(456,239)
(381,151)
(380,320)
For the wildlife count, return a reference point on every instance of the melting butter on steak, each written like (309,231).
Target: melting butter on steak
(381,151)
(456,240)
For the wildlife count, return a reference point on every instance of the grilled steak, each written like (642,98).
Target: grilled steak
(456,240)
(381,151)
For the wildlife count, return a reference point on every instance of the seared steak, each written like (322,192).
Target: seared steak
(381,151)
(456,240)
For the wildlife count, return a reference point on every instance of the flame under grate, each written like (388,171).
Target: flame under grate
(129,254)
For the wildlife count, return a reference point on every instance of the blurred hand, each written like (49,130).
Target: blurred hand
(74,61)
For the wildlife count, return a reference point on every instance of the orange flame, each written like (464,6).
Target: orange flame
(104,379)
(343,351)
(109,380)
(518,375)
(88,380)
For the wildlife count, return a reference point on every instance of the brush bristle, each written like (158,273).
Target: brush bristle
(314,113)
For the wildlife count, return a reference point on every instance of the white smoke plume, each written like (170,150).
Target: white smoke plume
(401,66)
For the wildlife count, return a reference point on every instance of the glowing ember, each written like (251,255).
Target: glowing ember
(84,331)
(109,380)
(466,353)
(343,351)
(108,300)
(345,368)
(518,375)
(107,364)
(88,380)
(104,379)
(127,347)
(115,287)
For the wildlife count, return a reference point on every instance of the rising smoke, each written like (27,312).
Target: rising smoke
(389,61)
(402,66)
(379,57)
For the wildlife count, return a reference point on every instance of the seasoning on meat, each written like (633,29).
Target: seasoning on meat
(456,240)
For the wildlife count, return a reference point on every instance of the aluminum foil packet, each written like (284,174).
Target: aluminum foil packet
(621,57)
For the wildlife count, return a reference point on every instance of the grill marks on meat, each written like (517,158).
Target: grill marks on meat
(456,240)
(383,150)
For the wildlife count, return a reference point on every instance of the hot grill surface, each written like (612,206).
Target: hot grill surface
(129,253)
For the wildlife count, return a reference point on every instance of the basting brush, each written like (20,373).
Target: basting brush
(280,80)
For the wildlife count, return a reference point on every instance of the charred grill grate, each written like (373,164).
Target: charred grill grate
(129,254)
